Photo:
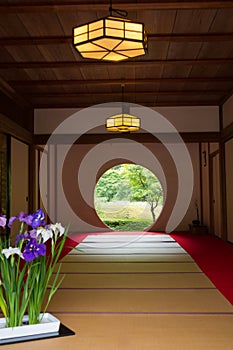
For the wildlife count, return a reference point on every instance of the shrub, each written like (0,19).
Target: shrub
(128,224)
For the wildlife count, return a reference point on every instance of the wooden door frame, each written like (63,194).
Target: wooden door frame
(211,183)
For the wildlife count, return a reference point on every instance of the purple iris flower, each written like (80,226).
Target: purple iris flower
(25,236)
(19,237)
(34,220)
(38,219)
(27,218)
(33,233)
(11,220)
(23,217)
(2,220)
(33,250)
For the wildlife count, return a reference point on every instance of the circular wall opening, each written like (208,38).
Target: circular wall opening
(128,197)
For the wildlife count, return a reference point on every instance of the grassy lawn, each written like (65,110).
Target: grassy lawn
(125,215)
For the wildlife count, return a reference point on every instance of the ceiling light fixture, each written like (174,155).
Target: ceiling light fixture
(123,122)
(111,38)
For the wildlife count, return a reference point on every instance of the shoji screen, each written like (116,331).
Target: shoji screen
(19,176)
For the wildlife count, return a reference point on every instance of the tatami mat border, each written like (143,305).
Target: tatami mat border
(120,262)
(122,254)
(130,273)
(141,313)
(135,288)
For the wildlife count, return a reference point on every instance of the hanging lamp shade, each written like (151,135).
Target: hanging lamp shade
(111,39)
(123,123)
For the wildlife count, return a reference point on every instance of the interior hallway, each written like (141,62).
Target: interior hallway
(137,292)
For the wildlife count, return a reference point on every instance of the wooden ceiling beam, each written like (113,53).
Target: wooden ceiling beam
(191,37)
(78,104)
(74,82)
(163,37)
(226,97)
(42,40)
(71,6)
(65,95)
(90,64)
(42,139)
(13,95)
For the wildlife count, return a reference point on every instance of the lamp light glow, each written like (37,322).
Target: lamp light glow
(111,38)
(123,123)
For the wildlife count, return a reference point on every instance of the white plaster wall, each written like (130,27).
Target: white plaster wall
(87,182)
(192,118)
(185,119)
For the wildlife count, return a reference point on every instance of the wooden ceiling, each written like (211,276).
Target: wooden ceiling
(189,59)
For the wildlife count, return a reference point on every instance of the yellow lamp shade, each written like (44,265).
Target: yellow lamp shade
(110,38)
(123,123)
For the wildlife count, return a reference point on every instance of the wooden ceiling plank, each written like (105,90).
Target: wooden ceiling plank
(41,24)
(175,37)
(69,82)
(83,63)
(175,40)
(222,22)
(191,37)
(126,94)
(37,40)
(35,7)
(194,21)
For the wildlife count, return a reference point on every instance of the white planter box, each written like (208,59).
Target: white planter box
(48,324)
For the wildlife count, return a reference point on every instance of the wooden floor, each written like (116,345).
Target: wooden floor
(137,292)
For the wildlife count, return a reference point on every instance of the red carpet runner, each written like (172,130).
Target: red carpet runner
(213,256)
(72,243)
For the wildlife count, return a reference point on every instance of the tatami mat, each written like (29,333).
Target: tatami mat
(140,332)
(129,238)
(76,257)
(128,250)
(127,245)
(133,280)
(146,267)
(142,296)
(136,301)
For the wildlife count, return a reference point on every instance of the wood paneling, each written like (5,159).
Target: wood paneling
(189,40)
(139,137)
(7,126)
(24,7)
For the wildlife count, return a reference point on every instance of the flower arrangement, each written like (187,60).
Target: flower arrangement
(28,279)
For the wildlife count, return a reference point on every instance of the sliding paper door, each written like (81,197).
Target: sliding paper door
(19,177)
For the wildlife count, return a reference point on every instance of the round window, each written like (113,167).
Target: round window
(128,197)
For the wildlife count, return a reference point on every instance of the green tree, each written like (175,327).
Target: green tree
(131,183)
(108,184)
(113,185)
(144,186)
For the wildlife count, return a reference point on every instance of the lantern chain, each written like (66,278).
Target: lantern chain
(121,13)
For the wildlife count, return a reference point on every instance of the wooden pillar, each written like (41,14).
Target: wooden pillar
(222,178)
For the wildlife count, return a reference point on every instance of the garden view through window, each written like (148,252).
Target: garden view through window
(128,197)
